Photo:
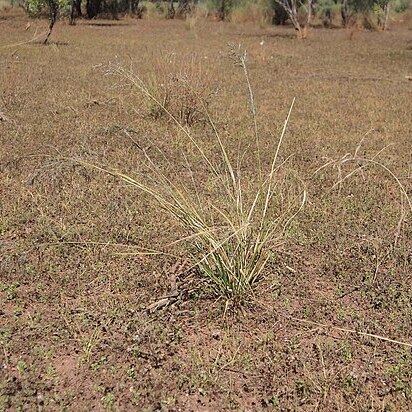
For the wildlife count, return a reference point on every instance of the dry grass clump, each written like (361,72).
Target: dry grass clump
(182,86)
(232,222)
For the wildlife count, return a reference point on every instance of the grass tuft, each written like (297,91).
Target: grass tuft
(233,224)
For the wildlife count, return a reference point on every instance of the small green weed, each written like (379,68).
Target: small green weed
(21,366)
(108,401)
(11,290)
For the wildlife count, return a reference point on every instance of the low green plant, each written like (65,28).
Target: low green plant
(11,290)
(108,401)
(235,222)
(21,366)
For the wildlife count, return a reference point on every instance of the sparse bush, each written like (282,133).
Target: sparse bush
(202,10)
(252,11)
(327,10)
(368,14)
(240,11)
(159,7)
(184,91)
(36,8)
(155,10)
(399,6)
(219,8)
(185,8)
(107,9)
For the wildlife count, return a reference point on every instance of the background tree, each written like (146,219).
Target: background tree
(171,12)
(344,11)
(375,13)
(382,10)
(223,10)
(75,10)
(133,6)
(291,8)
(184,8)
(92,8)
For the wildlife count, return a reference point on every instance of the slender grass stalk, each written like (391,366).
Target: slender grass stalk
(240,58)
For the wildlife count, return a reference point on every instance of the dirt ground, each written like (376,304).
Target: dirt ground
(78,330)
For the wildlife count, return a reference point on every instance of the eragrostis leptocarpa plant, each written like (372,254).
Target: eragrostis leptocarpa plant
(231,229)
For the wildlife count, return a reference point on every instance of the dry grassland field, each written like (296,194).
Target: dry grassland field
(90,320)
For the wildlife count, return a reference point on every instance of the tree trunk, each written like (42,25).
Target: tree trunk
(310,11)
(171,10)
(72,19)
(344,12)
(92,8)
(386,19)
(290,8)
(327,18)
(184,8)
(113,8)
(75,11)
(53,8)
(134,7)
(222,11)
(78,5)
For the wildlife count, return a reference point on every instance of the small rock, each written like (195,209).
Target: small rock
(216,334)
(40,398)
